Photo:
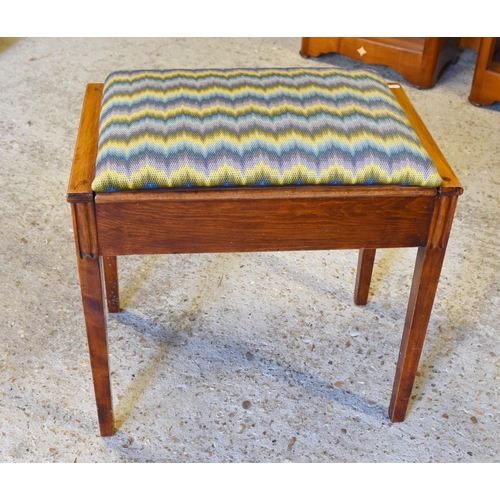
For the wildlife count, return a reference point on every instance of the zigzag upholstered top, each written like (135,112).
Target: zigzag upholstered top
(254,127)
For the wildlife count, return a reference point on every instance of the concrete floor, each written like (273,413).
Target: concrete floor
(237,357)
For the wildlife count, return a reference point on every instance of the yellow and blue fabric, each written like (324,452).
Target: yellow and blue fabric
(255,127)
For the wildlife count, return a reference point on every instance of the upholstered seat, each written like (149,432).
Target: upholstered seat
(255,127)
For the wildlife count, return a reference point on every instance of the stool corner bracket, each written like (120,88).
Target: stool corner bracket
(75,197)
(448,189)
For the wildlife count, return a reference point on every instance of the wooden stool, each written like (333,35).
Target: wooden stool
(253,161)
(418,60)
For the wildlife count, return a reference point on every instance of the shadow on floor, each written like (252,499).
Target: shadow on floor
(232,353)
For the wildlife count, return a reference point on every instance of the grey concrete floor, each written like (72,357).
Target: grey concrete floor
(236,357)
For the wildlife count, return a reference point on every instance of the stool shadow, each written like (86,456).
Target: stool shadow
(134,392)
(384,267)
(144,377)
(232,353)
(138,278)
(382,272)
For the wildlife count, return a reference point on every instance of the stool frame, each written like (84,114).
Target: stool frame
(256,219)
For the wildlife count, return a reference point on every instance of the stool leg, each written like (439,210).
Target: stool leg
(93,307)
(425,281)
(364,275)
(91,283)
(111,281)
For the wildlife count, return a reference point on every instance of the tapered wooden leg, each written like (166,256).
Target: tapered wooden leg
(89,267)
(425,281)
(111,281)
(93,307)
(366,259)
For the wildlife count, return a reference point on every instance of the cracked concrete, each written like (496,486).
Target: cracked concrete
(236,357)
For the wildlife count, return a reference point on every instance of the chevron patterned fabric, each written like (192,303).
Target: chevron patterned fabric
(255,127)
